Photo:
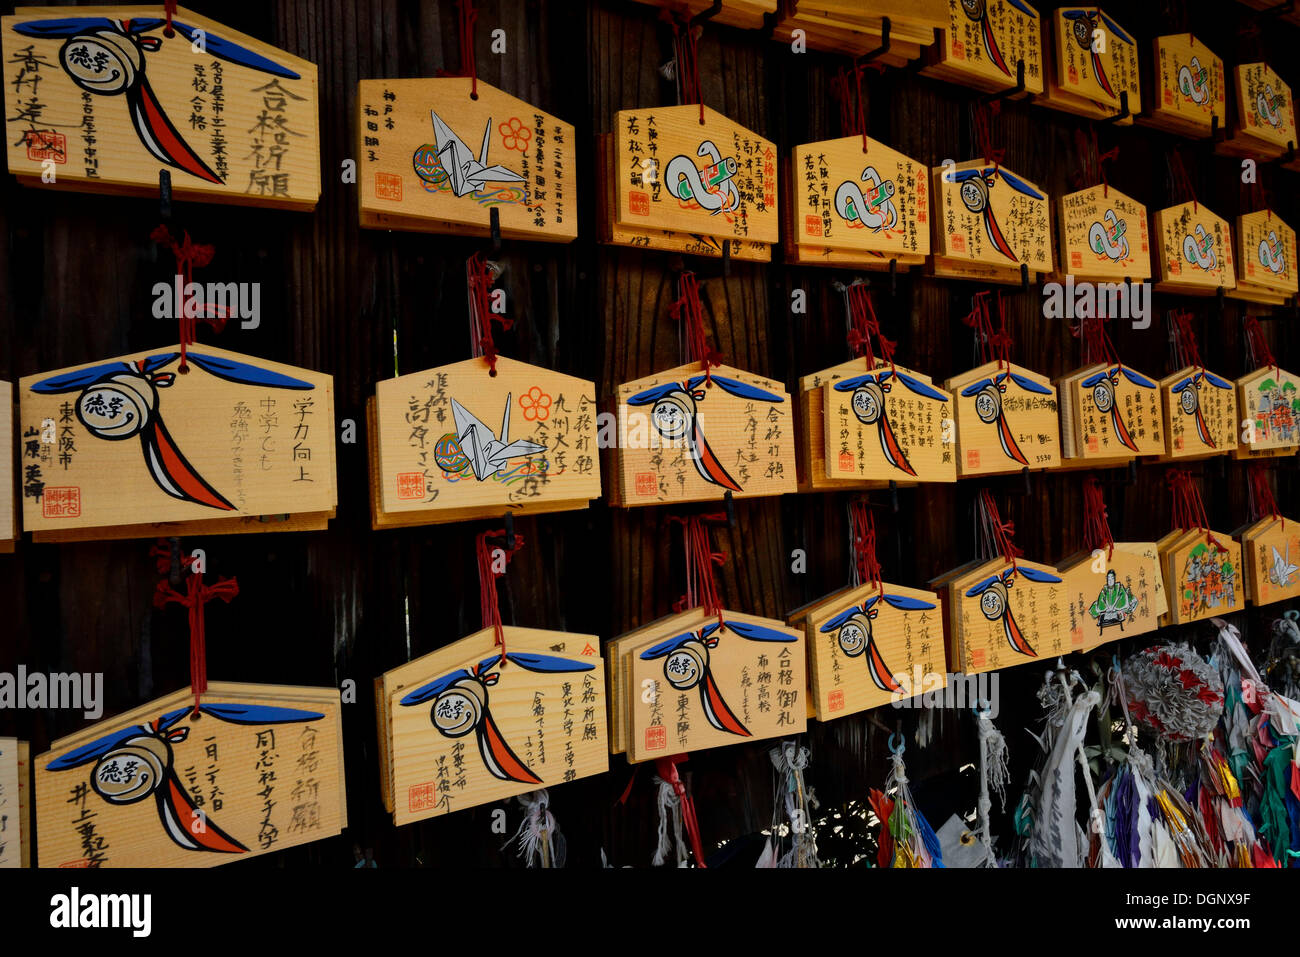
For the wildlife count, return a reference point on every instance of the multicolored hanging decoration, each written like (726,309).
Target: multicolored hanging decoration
(793,796)
(906,838)
(1173,691)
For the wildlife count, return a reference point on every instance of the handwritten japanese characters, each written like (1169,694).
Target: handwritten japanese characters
(984,44)
(889,424)
(712,179)
(1266,259)
(988,221)
(1193,250)
(1104,235)
(871,646)
(1264,124)
(1007,420)
(1203,576)
(1200,413)
(456,441)
(475,721)
(1094,66)
(432,158)
(8,501)
(1112,594)
(685,436)
(102,98)
(1003,614)
(110,449)
(1110,413)
(1269,402)
(1189,88)
(249,770)
(861,197)
(15,826)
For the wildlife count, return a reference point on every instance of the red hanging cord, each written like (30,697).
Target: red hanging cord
(1262,501)
(666,768)
(1259,350)
(686,49)
(994,345)
(1180,321)
(468,63)
(487,582)
(1096,528)
(863,325)
(862,528)
(479,280)
(1188,508)
(1182,183)
(195,597)
(169,8)
(1096,342)
(1003,532)
(981,124)
(189,254)
(701,586)
(689,310)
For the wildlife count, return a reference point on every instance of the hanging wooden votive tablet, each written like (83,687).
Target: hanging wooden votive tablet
(1200,414)
(1266,259)
(1269,399)
(680,185)
(1104,236)
(988,222)
(1264,120)
(477,721)
(248,770)
(1270,550)
(208,442)
(102,103)
(1193,251)
(15,804)
(1002,614)
(8,483)
(440,155)
(1187,88)
(687,436)
(856,202)
(983,43)
(1110,413)
(1094,66)
(1202,576)
(457,443)
(811,459)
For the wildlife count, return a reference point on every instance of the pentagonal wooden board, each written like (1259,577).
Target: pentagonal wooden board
(1010,615)
(1207,580)
(1189,86)
(1119,413)
(1104,235)
(1200,413)
(674,173)
(617,665)
(1266,255)
(871,199)
(1096,58)
(991,215)
(983,42)
(682,439)
(1194,250)
(103,99)
(713,686)
(1272,562)
(434,158)
(874,646)
(889,424)
(1264,105)
(1270,398)
(457,436)
(483,729)
(133,441)
(13,820)
(1007,420)
(252,770)
(8,483)
(1113,594)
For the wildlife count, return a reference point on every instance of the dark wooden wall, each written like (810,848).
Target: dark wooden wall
(75,279)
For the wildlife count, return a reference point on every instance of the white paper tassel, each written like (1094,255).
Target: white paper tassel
(539,839)
(670,808)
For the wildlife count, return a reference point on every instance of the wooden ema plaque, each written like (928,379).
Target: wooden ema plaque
(1104,235)
(871,647)
(233,119)
(1188,88)
(113,449)
(1203,578)
(254,769)
(618,664)
(983,42)
(434,159)
(1200,414)
(1007,420)
(1266,259)
(1271,552)
(1110,413)
(1265,114)
(1193,250)
(714,685)
(457,442)
(863,200)
(989,217)
(682,439)
(15,829)
(673,173)
(1094,61)
(889,424)
(1004,616)
(465,729)
(1269,398)
(1113,596)
(8,481)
